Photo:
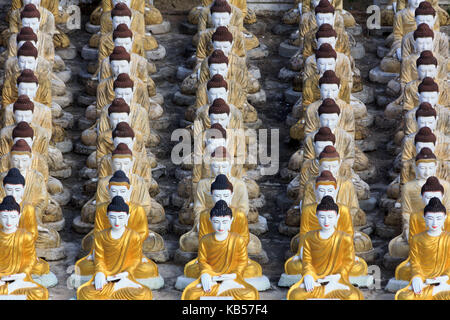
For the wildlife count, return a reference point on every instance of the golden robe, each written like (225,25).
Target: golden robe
(44,45)
(343,67)
(42,116)
(408,70)
(442,125)
(46,21)
(205,20)
(311,90)
(43,94)
(38,163)
(440,44)
(411,99)
(202,121)
(40,141)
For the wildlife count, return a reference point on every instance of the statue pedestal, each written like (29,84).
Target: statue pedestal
(395,285)
(287,280)
(75,281)
(92,28)
(161,28)
(156,54)
(287,50)
(68,53)
(260,283)
(13,297)
(52,254)
(47,280)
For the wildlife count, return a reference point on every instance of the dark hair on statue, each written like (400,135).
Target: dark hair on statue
(434,205)
(221,209)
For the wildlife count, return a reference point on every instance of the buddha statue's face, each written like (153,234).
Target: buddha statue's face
(116,117)
(322,18)
(422,44)
(27,88)
(23,115)
(122,191)
(427,196)
(225,195)
(33,23)
(329,90)
(327,219)
(329,120)
(427,70)
(320,145)
(221,225)
(428,19)
(330,40)
(431,97)
(125,164)
(429,122)
(127,43)
(414,4)
(28,140)
(324,64)
(127,140)
(215,93)
(127,2)
(14,190)
(421,145)
(26,62)
(222,118)
(213,143)
(116,20)
(435,221)
(37,3)
(220,167)
(120,66)
(21,162)
(225,46)
(218,68)
(323,190)
(220,19)
(9,220)
(424,170)
(124,93)
(118,220)
(332,166)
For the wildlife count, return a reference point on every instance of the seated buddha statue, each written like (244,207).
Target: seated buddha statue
(146,271)
(117,254)
(429,257)
(45,20)
(222,260)
(327,259)
(18,255)
(443,15)
(36,137)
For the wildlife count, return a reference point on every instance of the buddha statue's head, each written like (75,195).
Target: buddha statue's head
(127,2)
(324,12)
(423,38)
(425,138)
(23,109)
(119,60)
(426,65)
(118,111)
(21,156)
(329,160)
(425,165)
(123,133)
(30,17)
(122,159)
(325,58)
(14,184)
(23,131)
(26,34)
(27,56)
(216,136)
(119,185)
(435,215)
(218,64)
(118,213)
(329,114)
(324,137)
(9,215)
(222,189)
(414,4)
(121,14)
(221,217)
(431,189)
(124,87)
(329,85)
(123,37)
(221,162)
(222,39)
(428,91)
(219,112)
(27,83)
(326,34)
(426,116)
(220,13)
(425,13)
(217,87)
(326,185)
(327,212)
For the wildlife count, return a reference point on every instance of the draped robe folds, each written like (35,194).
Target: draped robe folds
(222,257)
(44,45)
(46,21)
(323,257)
(205,19)
(42,116)
(114,256)
(203,122)
(10,91)
(40,140)
(411,94)
(408,71)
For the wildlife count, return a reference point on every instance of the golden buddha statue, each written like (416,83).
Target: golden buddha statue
(327,259)
(18,255)
(222,261)
(117,255)
(443,16)
(429,257)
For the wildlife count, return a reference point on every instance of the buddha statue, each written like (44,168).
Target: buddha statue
(117,254)
(328,256)
(428,257)
(18,255)
(222,261)
(443,15)
(32,14)
(36,137)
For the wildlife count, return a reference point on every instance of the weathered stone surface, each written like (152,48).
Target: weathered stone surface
(366,96)
(156,54)
(357,51)
(51,254)
(161,28)
(66,120)
(92,28)
(287,50)
(382,51)
(182,99)
(291,96)
(88,53)
(64,75)
(65,100)
(65,146)
(183,72)
(286,75)
(356,30)
(258,53)
(283,29)
(258,98)
(379,76)
(68,53)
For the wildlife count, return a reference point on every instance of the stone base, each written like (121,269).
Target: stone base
(283,228)
(80,226)
(161,123)
(357,51)
(182,257)
(260,283)
(64,75)
(368,256)
(88,53)
(181,99)
(253,125)
(183,72)
(394,285)
(261,257)
(92,28)
(13,297)
(161,28)
(51,254)
(366,95)
(180,229)
(258,227)
(75,281)
(379,76)
(68,53)
(65,146)
(160,228)
(287,75)
(159,256)
(291,96)
(287,50)
(258,98)
(382,51)
(47,280)
(287,280)
(187,28)
(57,225)
(65,100)
(156,54)
(80,148)
(182,282)
(390,262)
(258,53)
